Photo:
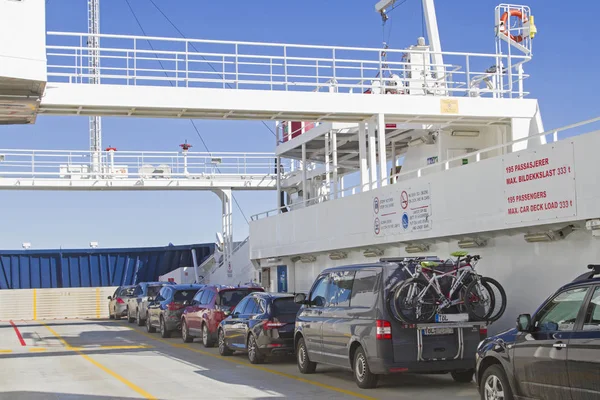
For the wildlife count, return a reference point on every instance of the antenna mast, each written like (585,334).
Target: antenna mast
(94,78)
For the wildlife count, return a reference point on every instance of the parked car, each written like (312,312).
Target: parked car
(209,307)
(345,321)
(262,324)
(164,311)
(553,355)
(117,303)
(137,305)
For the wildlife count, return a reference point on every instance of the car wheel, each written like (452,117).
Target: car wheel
(206,340)
(223,349)
(185,333)
(254,355)
(164,333)
(129,318)
(363,376)
(494,385)
(462,376)
(304,364)
(149,326)
(138,320)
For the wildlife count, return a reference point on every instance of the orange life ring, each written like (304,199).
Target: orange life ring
(504,21)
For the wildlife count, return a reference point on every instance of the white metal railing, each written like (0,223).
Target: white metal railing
(130,60)
(418,172)
(132,164)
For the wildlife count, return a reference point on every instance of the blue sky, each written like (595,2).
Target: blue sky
(562,79)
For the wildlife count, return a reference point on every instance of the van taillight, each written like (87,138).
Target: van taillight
(483,331)
(384,330)
(120,300)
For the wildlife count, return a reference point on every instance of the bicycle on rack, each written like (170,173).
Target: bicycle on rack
(421,297)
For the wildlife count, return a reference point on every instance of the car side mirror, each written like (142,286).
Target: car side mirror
(524,323)
(300,298)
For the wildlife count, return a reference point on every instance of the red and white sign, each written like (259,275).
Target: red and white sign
(540,185)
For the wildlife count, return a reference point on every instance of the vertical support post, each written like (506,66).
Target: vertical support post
(362,154)
(278,173)
(520,75)
(433,35)
(372,154)
(227,226)
(327,164)
(304,193)
(195,261)
(394,159)
(382,153)
(335,162)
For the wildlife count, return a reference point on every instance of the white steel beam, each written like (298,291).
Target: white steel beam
(382,154)
(434,36)
(372,154)
(362,154)
(335,162)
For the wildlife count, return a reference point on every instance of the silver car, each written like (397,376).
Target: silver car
(117,304)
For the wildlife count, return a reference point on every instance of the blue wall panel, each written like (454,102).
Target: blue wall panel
(26,269)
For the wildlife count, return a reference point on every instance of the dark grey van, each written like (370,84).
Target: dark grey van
(346,321)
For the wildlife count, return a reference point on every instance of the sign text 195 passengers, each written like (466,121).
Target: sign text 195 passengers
(540,185)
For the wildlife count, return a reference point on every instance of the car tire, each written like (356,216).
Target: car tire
(185,333)
(223,349)
(206,340)
(493,381)
(164,332)
(363,376)
(463,376)
(138,320)
(129,319)
(254,355)
(304,364)
(149,326)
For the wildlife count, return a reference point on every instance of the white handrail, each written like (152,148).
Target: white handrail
(446,163)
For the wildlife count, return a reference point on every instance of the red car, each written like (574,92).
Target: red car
(210,306)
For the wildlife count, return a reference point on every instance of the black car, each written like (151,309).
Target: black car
(165,310)
(553,355)
(262,324)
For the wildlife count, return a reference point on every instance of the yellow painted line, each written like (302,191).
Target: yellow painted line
(118,377)
(34,304)
(98,302)
(5,351)
(264,369)
(125,347)
(36,349)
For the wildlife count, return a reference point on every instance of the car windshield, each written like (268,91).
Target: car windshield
(153,290)
(183,295)
(231,298)
(127,292)
(285,305)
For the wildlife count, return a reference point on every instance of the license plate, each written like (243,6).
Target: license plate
(438,331)
(451,317)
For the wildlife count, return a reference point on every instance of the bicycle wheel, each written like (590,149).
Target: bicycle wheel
(499,296)
(413,301)
(479,300)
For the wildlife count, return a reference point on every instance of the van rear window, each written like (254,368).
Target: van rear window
(285,305)
(231,298)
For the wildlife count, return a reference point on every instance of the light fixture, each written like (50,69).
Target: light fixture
(338,255)
(26,245)
(273,260)
(416,248)
(374,252)
(308,258)
(594,226)
(465,133)
(295,259)
(548,236)
(427,139)
(470,243)
(93,245)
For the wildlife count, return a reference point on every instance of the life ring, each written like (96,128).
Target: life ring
(504,21)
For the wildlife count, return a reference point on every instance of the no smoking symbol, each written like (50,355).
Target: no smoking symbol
(404,199)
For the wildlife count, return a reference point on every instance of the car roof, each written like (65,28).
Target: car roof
(220,288)
(274,295)
(187,286)
(157,283)
(356,267)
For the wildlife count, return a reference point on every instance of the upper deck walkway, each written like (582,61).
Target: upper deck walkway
(184,78)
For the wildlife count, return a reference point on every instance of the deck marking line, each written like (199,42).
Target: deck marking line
(34,304)
(97,302)
(118,377)
(5,351)
(18,333)
(36,349)
(264,369)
